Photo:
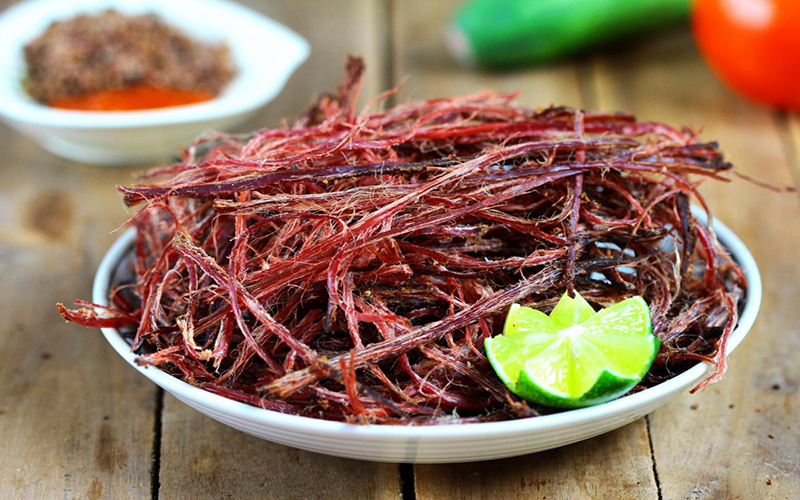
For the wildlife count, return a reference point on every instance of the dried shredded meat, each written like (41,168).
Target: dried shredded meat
(350,266)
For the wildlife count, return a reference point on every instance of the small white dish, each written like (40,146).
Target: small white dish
(265,53)
(439,443)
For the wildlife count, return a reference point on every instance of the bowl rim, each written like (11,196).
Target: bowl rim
(296,51)
(309,425)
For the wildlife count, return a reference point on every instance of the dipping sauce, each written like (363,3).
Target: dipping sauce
(142,96)
(116,62)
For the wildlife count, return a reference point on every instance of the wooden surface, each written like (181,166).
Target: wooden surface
(76,422)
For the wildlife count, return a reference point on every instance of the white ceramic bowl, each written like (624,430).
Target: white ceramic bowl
(441,443)
(265,54)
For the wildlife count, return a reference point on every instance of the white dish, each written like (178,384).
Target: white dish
(441,443)
(265,54)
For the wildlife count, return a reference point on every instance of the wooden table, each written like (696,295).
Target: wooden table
(76,422)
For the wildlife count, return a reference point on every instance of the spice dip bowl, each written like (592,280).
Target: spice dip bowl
(264,52)
(437,443)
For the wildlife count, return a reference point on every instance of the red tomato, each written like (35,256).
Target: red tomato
(754,46)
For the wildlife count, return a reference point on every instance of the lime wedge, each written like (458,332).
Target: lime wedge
(574,357)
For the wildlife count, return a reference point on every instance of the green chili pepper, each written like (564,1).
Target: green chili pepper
(506,33)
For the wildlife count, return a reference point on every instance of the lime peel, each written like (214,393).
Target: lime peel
(574,356)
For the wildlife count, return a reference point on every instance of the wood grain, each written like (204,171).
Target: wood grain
(201,458)
(205,459)
(617,465)
(75,420)
(739,438)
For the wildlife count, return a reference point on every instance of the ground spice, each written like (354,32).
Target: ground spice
(112,62)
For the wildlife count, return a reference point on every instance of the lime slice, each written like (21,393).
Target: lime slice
(574,357)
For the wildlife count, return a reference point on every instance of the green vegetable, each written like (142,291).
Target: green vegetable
(515,32)
(574,357)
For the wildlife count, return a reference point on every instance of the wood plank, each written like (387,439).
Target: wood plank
(201,458)
(205,459)
(617,464)
(741,440)
(75,420)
